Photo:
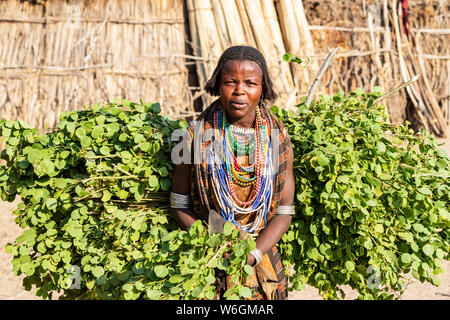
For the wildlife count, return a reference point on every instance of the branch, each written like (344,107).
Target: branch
(403,85)
(319,76)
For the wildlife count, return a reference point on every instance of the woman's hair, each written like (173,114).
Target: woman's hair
(242,53)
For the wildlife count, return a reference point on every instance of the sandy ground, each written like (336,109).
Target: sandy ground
(11,286)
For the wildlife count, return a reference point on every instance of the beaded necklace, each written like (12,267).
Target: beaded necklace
(238,147)
(225,171)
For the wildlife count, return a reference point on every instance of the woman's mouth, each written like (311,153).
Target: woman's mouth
(238,104)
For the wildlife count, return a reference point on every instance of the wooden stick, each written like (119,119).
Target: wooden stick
(415,98)
(344,29)
(431,96)
(378,29)
(352,54)
(92,20)
(403,85)
(233,22)
(319,76)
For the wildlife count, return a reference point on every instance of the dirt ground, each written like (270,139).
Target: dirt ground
(11,286)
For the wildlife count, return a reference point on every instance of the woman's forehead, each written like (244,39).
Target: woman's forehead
(247,67)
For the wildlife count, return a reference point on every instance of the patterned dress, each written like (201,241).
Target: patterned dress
(268,280)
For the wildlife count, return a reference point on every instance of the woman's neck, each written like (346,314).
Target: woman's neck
(245,122)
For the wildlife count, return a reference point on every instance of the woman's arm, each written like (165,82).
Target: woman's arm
(278,224)
(181,184)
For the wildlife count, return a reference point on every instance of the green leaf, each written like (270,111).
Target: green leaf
(318,122)
(245,292)
(428,249)
(176,278)
(97,132)
(349,266)
(322,160)
(80,132)
(210,278)
(228,228)
(248,270)
(406,258)
(372,203)
(165,184)
(161,271)
(33,155)
(425,190)
(155,108)
(153,181)
(313,229)
(105,150)
(28,269)
(51,203)
(98,271)
(153,294)
(41,247)
(381,147)
(28,236)
(85,141)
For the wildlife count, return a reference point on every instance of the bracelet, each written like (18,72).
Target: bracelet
(285,210)
(258,256)
(180,201)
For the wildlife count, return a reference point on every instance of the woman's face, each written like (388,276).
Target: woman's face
(240,89)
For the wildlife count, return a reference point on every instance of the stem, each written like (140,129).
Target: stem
(217,253)
(101,157)
(121,170)
(89,195)
(108,178)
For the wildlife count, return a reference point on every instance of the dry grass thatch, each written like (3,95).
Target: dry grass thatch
(377,48)
(58,55)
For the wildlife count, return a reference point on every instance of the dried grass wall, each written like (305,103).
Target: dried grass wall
(381,44)
(59,55)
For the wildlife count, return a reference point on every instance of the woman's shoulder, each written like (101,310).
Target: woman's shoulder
(278,124)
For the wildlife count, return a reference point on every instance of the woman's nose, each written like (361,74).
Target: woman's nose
(239,88)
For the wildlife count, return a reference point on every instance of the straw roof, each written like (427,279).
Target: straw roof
(59,55)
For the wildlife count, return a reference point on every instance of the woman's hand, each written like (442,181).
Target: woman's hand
(250,259)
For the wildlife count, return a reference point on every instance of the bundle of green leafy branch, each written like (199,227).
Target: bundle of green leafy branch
(95,200)
(372,199)
(371,205)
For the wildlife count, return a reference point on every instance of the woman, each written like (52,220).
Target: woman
(244,168)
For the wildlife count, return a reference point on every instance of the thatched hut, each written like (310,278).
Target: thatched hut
(57,55)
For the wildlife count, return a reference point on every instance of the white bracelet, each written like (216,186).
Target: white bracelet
(180,201)
(286,210)
(258,256)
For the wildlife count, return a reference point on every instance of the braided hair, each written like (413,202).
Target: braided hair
(242,53)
